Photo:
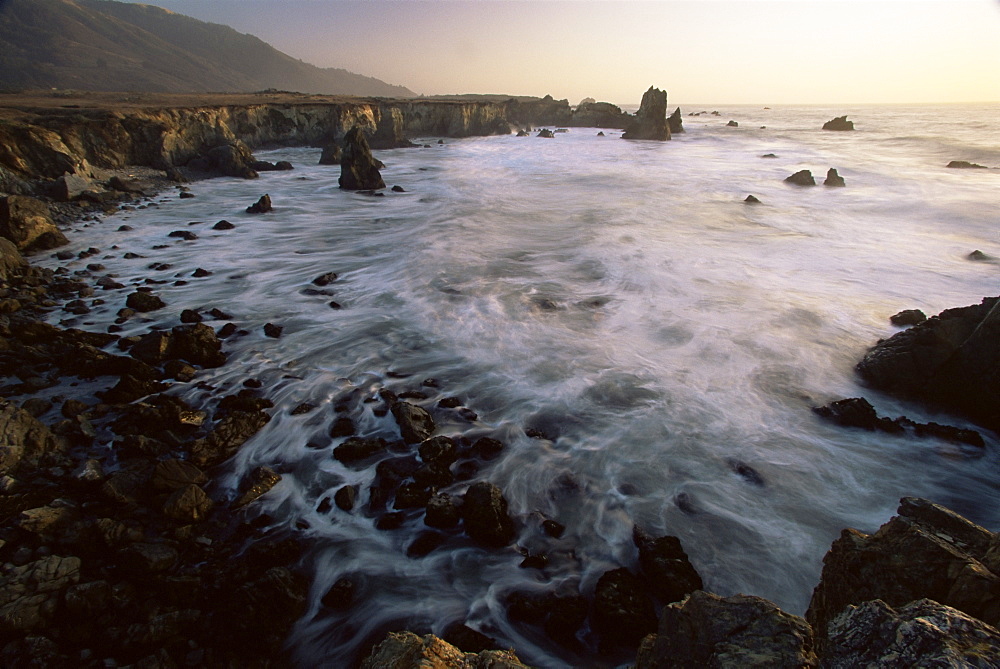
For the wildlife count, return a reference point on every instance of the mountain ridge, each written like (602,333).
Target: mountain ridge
(104,45)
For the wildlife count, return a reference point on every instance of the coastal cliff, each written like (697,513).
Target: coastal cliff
(70,137)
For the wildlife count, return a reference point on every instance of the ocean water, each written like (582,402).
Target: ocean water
(619,297)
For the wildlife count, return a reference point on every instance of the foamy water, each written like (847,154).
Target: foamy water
(622,299)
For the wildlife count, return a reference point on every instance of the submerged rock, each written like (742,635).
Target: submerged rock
(486,518)
(965,165)
(839,123)
(261,206)
(651,119)
(358,169)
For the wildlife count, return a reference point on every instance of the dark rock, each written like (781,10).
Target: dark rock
(403,650)
(183,234)
(834,179)
(553,529)
(234,160)
(261,480)
(173,474)
(908,317)
(331,155)
(357,449)
(144,302)
(486,518)
(261,206)
(415,424)
(341,594)
(706,630)
(923,633)
(856,412)
(927,551)
(839,123)
(651,119)
(325,279)
(733,124)
(198,344)
(23,439)
(801,178)
(125,185)
(146,558)
(486,448)
(223,225)
(358,169)
(750,199)
(467,639)
(951,361)
(273,331)
(424,544)
(227,437)
(398,189)
(12,263)
(188,504)
(622,613)
(965,165)
(27,222)
(665,566)
(342,427)
(675,122)
(70,187)
(442,511)
(390,521)
(190,316)
(438,450)
(175,175)
(345,497)
(545,133)
(185,195)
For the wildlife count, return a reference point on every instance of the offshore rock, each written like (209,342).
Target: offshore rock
(227,437)
(651,119)
(261,206)
(675,122)
(623,612)
(839,123)
(406,650)
(706,630)
(965,165)
(592,114)
(486,518)
(834,179)
(358,169)
(233,159)
(28,223)
(331,155)
(801,178)
(415,424)
(921,634)
(927,551)
(908,317)
(951,361)
(665,565)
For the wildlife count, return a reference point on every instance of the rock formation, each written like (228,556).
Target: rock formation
(651,119)
(594,114)
(358,169)
(27,223)
(675,122)
(966,165)
(834,179)
(839,123)
(801,178)
(950,361)
(406,650)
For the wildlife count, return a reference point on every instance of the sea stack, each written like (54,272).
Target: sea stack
(358,169)
(651,119)
(839,123)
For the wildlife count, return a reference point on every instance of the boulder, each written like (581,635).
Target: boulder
(706,630)
(751,199)
(666,567)
(12,263)
(259,482)
(144,302)
(675,122)
(833,179)
(234,160)
(357,449)
(801,178)
(651,119)
(545,133)
(927,551)
(732,124)
(261,206)
(406,650)
(30,594)
(908,317)
(623,611)
(70,187)
(23,439)
(593,114)
(331,155)
(950,361)
(173,474)
(415,424)
(839,123)
(358,169)
(923,633)
(28,223)
(227,437)
(966,165)
(485,514)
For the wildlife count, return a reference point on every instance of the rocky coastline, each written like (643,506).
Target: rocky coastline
(133,556)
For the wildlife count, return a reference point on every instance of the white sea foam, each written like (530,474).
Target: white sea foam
(622,299)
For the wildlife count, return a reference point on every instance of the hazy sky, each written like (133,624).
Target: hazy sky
(700,51)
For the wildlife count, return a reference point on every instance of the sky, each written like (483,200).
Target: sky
(699,51)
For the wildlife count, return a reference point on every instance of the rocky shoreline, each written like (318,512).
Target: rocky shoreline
(130,555)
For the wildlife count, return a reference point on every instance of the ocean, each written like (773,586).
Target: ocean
(661,340)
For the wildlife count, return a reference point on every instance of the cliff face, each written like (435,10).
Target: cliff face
(49,143)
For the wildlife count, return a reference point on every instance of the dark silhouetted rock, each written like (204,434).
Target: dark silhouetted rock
(546,133)
(965,165)
(415,424)
(833,179)
(331,155)
(651,119)
(623,611)
(358,169)
(732,124)
(839,123)
(144,302)
(358,449)
(223,225)
(706,630)
(908,317)
(442,511)
(750,199)
(261,206)
(487,521)
(675,122)
(261,480)
(801,178)
(666,567)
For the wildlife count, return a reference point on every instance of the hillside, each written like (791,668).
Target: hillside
(103,45)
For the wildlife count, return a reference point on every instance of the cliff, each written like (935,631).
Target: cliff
(47,137)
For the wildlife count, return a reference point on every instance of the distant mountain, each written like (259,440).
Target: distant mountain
(103,45)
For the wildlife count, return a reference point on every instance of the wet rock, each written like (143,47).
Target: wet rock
(622,612)
(261,206)
(146,558)
(325,279)
(651,118)
(28,223)
(750,199)
(839,123)
(733,124)
(186,235)
(545,133)
(273,331)
(486,448)
(405,650)
(801,178)
(227,437)
(415,424)
(23,439)
(398,189)
(30,593)
(358,169)
(331,155)
(342,427)
(706,630)
(908,317)
(223,225)
(442,511)
(926,551)
(173,474)
(853,412)
(923,633)
(261,480)
(487,520)
(345,497)
(188,504)
(950,361)
(234,160)
(675,122)
(70,187)
(439,451)
(665,566)
(390,521)
(198,344)
(553,528)
(356,450)
(834,179)
(144,302)
(965,165)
